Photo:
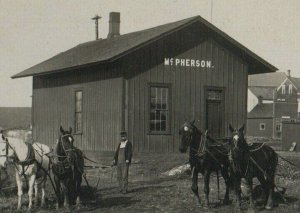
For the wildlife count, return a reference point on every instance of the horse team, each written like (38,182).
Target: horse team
(233,157)
(33,163)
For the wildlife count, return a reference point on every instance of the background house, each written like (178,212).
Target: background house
(147,82)
(272,99)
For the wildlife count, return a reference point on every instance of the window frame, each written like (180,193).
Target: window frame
(76,131)
(260,126)
(168,130)
(290,89)
(283,89)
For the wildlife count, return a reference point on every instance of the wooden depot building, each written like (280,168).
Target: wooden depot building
(147,83)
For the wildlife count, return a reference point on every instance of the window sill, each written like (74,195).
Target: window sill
(159,133)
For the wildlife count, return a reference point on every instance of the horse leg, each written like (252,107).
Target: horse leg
(78,189)
(66,195)
(206,187)
(57,186)
(43,192)
(30,190)
(195,184)
(237,189)
(226,177)
(250,186)
(36,191)
(270,186)
(20,190)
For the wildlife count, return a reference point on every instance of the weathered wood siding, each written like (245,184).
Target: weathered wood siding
(188,85)
(54,105)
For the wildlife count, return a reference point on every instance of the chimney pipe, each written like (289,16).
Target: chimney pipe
(288,73)
(114,24)
(96,18)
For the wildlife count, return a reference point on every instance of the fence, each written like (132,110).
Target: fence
(291,136)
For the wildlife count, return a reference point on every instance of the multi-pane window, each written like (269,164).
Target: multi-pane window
(78,111)
(159,109)
(214,95)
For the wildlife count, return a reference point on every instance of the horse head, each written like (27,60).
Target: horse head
(64,143)
(237,137)
(6,151)
(187,132)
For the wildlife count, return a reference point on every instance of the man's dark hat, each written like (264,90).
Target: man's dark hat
(123,133)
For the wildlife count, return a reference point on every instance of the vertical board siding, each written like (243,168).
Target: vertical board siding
(104,96)
(54,105)
(187,86)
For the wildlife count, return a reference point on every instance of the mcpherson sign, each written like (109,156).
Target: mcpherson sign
(186,62)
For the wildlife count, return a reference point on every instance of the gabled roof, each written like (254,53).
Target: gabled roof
(267,79)
(296,82)
(107,50)
(267,93)
(261,111)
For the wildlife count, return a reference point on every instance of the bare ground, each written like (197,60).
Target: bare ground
(151,192)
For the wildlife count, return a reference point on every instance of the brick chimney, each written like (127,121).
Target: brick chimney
(114,24)
(288,73)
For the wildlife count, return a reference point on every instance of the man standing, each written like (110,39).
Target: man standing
(122,159)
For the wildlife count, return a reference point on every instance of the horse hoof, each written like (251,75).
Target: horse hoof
(268,207)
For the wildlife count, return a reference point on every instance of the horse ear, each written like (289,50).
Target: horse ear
(231,128)
(70,129)
(3,138)
(62,130)
(242,128)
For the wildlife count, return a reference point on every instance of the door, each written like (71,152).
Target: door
(215,113)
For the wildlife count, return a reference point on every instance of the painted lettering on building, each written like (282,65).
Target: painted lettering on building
(186,62)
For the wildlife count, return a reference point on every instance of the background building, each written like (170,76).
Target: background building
(272,98)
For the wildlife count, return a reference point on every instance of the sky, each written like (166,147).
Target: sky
(32,31)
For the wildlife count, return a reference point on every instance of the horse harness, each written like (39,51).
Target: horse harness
(61,167)
(237,168)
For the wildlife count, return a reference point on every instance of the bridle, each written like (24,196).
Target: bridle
(7,146)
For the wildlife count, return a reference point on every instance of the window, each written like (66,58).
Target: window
(283,89)
(290,89)
(159,120)
(214,95)
(262,126)
(78,111)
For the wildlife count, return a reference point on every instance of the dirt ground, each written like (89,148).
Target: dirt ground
(149,191)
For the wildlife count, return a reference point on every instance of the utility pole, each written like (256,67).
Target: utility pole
(211,10)
(96,18)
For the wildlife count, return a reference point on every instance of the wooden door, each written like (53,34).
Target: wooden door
(215,113)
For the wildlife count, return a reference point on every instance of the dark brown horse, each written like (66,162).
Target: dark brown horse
(67,167)
(206,156)
(247,162)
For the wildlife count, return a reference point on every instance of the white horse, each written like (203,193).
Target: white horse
(31,163)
